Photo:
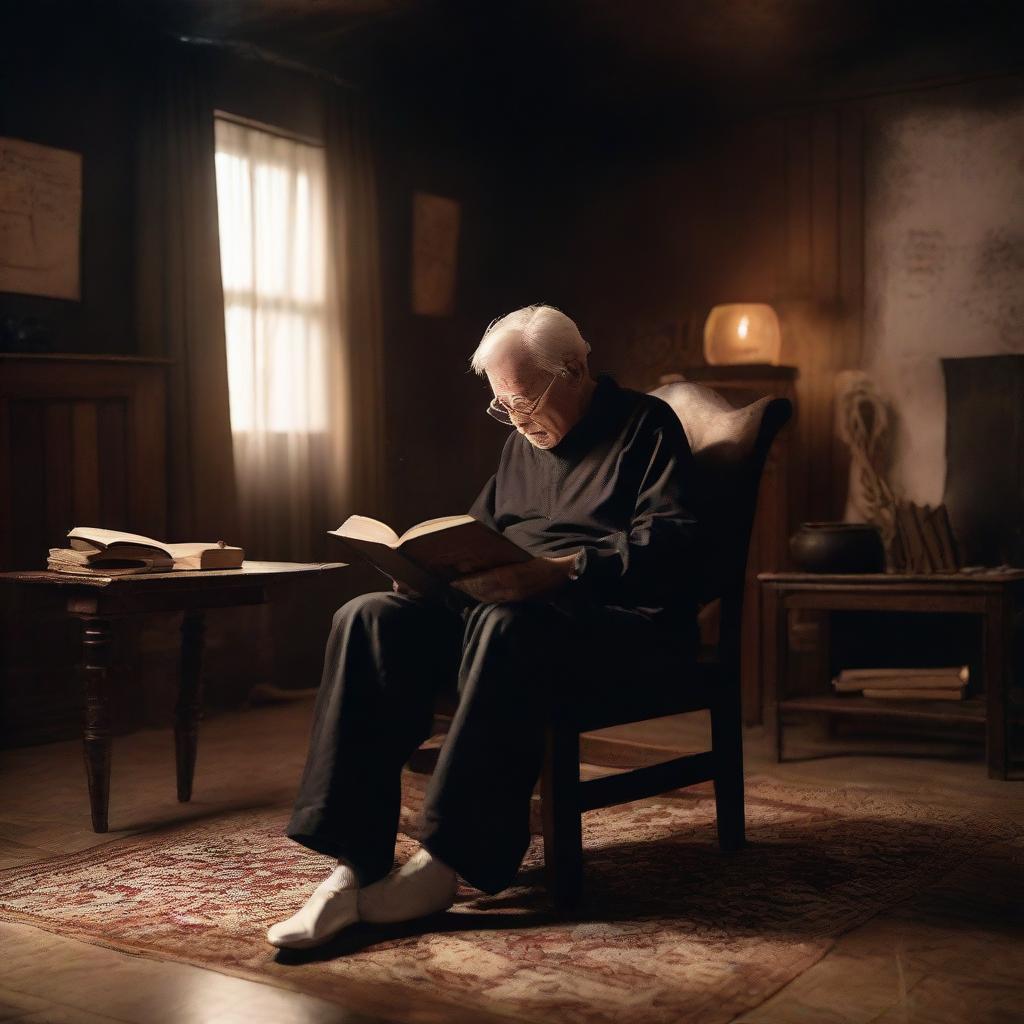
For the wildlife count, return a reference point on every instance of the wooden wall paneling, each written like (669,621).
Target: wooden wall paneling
(57,476)
(823,342)
(85,465)
(821,290)
(81,437)
(796,190)
(824,204)
(113,427)
(81,442)
(25,489)
(794,287)
(851,269)
(146,437)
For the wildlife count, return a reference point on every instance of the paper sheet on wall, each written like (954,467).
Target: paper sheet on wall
(40,219)
(944,247)
(435,245)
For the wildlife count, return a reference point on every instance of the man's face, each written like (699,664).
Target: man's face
(513,375)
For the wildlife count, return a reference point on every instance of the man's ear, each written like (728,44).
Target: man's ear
(576,371)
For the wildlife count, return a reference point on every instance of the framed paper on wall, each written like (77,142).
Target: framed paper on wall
(435,245)
(40,219)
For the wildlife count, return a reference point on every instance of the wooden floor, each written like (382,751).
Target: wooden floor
(924,961)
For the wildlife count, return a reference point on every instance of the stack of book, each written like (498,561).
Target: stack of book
(924,540)
(904,683)
(98,552)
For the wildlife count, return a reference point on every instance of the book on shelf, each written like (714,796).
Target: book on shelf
(854,680)
(429,555)
(916,693)
(924,541)
(98,552)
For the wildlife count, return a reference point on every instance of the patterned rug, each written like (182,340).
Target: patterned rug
(675,931)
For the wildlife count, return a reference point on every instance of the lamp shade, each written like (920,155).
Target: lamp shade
(742,332)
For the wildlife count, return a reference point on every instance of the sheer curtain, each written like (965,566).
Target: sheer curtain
(286,371)
(179,311)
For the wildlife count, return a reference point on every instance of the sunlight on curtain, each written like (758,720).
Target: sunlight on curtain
(282,335)
(271,198)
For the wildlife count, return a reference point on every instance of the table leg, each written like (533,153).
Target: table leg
(996,655)
(189,706)
(97,644)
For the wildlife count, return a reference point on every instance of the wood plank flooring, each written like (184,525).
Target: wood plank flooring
(948,957)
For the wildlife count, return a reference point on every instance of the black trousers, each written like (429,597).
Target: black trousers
(388,658)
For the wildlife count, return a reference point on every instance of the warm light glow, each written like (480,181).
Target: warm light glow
(272,213)
(742,333)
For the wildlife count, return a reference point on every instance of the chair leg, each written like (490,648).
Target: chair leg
(727,746)
(560,806)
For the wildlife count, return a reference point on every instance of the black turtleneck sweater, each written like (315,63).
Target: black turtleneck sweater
(616,486)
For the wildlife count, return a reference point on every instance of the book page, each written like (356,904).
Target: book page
(365,528)
(433,525)
(389,561)
(458,550)
(101,538)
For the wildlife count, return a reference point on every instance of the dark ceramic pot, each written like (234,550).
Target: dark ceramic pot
(837,547)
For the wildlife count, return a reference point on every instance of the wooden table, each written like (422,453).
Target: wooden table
(993,596)
(100,603)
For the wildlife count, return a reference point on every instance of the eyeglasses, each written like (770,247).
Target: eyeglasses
(503,410)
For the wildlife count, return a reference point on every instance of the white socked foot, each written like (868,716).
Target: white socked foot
(423,885)
(332,907)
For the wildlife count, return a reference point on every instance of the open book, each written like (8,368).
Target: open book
(430,554)
(112,553)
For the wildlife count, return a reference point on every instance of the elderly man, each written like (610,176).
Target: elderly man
(592,482)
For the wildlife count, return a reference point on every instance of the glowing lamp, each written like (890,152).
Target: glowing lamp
(742,332)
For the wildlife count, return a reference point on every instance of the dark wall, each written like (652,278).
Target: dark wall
(775,209)
(74,89)
(765,209)
(75,86)
(441,444)
(77,90)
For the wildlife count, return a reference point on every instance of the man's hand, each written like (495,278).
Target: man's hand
(520,581)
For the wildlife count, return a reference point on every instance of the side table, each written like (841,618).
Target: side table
(100,603)
(993,595)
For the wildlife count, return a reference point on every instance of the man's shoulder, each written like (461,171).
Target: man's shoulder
(646,411)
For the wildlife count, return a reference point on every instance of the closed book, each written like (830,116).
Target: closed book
(853,680)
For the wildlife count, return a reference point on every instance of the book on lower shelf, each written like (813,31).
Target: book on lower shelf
(98,552)
(942,683)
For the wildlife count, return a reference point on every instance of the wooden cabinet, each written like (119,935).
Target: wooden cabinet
(82,442)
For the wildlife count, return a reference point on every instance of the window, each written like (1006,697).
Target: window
(272,213)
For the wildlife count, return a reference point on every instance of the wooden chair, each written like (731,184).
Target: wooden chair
(729,447)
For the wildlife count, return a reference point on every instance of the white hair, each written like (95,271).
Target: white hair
(549,337)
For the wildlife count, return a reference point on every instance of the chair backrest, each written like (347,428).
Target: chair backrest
(729,447)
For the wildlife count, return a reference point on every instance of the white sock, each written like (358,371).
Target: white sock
(423,885)
(333,906)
